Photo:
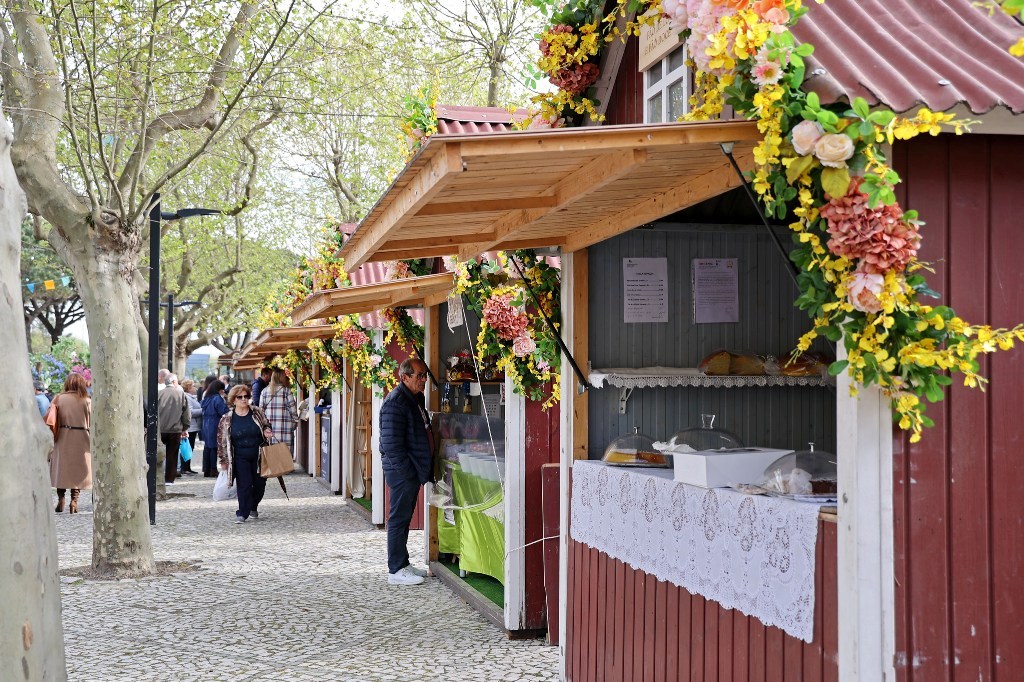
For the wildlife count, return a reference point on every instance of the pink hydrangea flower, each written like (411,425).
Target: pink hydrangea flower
(879,237)
(508,321)
(355,338)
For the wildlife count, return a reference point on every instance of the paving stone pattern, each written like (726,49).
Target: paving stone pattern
(300,594)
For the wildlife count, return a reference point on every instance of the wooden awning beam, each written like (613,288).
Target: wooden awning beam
(369,297)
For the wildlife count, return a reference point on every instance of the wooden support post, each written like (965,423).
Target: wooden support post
(314,441)
(573,413)
(867,624)
(432,353)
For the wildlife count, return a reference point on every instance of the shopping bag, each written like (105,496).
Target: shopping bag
(185,450)
(221,491)
(276,460)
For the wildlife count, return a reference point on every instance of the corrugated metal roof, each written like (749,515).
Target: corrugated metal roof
(456,120)
(906,53)
(374,273)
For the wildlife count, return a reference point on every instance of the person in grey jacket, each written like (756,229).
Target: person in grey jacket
(189,387)
(406,448)
(174,416)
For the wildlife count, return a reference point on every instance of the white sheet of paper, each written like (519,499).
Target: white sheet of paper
(716,290)
(645,289)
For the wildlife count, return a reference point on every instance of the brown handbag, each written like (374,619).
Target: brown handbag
(275,460)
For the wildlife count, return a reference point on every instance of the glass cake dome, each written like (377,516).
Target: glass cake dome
(635,449)
(705,437)
(805,473)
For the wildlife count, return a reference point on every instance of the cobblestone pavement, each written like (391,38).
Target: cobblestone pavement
(300,594)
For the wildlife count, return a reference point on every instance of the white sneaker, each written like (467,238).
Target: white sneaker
(404,577)
(416,571)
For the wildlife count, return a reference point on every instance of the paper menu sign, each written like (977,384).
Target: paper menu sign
(645,290)
(716,290)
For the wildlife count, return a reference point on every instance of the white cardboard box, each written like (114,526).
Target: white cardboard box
(714,469)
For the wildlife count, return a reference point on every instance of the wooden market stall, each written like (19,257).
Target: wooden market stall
(259,351)
(358,408)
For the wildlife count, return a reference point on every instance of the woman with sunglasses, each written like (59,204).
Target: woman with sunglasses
(240,435)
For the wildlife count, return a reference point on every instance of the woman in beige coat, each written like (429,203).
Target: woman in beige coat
(70,460)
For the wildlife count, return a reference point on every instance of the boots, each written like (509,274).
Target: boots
(73,507)
(60,500)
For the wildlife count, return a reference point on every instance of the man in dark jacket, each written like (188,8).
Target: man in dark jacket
(174,416)
(262,381)
(406,448)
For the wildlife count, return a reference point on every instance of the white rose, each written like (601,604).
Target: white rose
(833,150)
(805,134)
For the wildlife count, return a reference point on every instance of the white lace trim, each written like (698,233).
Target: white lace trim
(651,377)
(754,554)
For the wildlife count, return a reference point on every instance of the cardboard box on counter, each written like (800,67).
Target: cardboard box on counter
(719,468)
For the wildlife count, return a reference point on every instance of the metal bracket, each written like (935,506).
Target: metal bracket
(624,395)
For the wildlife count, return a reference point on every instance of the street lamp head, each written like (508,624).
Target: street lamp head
(189,213)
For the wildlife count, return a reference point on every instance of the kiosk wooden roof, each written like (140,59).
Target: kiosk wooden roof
(465,194)
(426,290)
(279,340)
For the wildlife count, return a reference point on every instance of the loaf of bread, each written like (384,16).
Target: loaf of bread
(726,363)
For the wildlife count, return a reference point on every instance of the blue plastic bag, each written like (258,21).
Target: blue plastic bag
(186,450)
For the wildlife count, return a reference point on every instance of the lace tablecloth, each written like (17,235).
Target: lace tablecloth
(751,553)
(652,377)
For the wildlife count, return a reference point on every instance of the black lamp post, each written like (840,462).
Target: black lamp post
(155,216)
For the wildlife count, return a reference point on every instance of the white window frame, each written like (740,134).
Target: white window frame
(668,78)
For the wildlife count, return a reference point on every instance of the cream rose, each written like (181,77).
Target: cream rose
(863,292)
(523,345)
(833,150)
(805,135)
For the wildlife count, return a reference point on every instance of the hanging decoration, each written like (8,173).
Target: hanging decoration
(512,329)
(825,165)
(371,365)
(48,284)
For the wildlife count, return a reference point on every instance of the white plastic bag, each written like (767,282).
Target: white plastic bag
(221,491)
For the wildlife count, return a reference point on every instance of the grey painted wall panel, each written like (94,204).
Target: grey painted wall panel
(787,417)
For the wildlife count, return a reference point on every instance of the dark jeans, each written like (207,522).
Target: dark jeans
(173,443)
(403,503)
(210,459)
(248,481)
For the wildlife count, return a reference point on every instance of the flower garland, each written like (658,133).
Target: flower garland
(371,366)
(400,326)
(570,49)
(1011,7)
(860,279)
(420,120)
(511,327)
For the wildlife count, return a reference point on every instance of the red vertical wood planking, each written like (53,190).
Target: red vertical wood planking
(1006,598)
(639,634)
(672,633)
(572,628)
(585,613)
(793,658)
(928,490)
(592,652)
(970,449)
(697,635)
(726,653)
(600,645)
(741,647)
(812,652)
(607,611)
(650,631)
(757,644)
(620,621)
(541,448)
(660,630)
(685,634)
(628,622)
(711,613)
(552,519)
(774,659)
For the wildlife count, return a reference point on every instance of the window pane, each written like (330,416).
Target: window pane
(677,58)
(654,109)
(654,74)
(677,99)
